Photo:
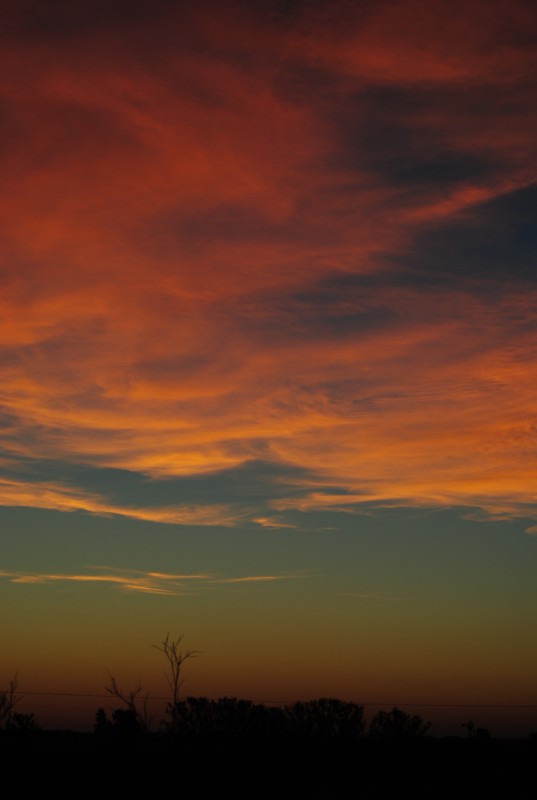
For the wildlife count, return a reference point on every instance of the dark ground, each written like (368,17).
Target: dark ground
(205,766)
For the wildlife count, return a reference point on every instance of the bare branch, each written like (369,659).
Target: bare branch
(128,698)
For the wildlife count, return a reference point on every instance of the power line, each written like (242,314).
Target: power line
(282,702)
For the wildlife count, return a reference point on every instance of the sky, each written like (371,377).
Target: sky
(268,351)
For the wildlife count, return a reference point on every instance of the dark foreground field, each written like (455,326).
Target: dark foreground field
(205,766)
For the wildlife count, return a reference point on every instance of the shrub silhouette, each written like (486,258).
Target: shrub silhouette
(125,724)
(23,724)
(102,727)
(8,700)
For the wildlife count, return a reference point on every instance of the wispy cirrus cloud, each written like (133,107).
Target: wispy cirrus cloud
(258,578)
(148,582)
(58,497)
(135,581)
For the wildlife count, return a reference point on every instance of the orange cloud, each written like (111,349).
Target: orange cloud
(272,522)
(172,224)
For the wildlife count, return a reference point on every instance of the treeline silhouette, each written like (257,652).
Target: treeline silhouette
(325,718)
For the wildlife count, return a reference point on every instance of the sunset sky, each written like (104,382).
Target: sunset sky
(268,297)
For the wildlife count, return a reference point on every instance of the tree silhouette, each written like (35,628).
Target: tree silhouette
(396,724)
(227,716)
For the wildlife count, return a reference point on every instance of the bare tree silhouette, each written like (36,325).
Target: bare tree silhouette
(176,659)
(139,716)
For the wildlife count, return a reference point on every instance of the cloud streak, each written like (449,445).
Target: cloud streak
(157,583)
